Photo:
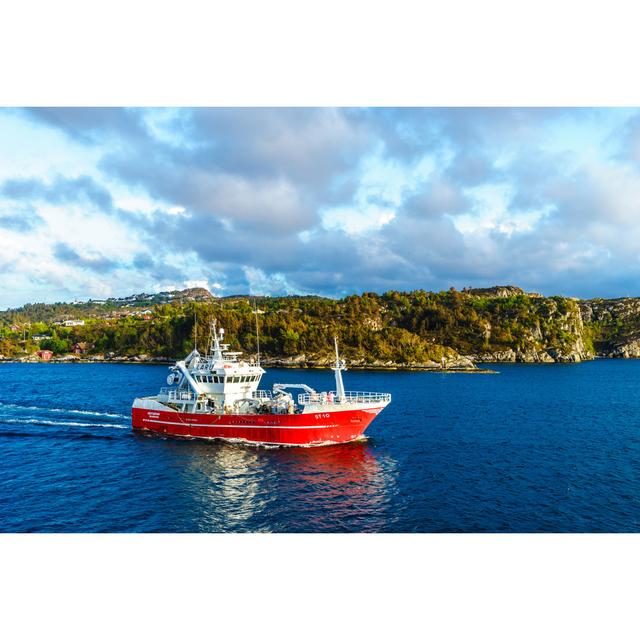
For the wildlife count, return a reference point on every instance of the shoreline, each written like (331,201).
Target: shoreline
(272,365)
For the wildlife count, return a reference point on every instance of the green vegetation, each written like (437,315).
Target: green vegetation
(397,327)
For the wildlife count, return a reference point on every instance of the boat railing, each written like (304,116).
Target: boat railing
(176,395)
(261,394)
(349,397)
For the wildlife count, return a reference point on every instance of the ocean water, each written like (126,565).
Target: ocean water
(534,448)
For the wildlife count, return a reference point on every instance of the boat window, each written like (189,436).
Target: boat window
(244,378)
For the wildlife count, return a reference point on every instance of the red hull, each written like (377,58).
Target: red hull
(287,429)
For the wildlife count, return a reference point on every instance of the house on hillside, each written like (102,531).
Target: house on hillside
(73,323)
(145,314)
(14,327)
(80,348)
(44,354)
(40,336)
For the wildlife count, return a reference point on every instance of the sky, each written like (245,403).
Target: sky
(100,202)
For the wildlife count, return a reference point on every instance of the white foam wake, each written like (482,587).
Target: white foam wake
(84,412)
(62,423)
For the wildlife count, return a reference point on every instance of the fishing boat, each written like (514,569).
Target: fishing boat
(216,396)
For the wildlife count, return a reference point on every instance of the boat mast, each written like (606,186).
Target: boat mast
(214,343)
(338,369)
(255,311)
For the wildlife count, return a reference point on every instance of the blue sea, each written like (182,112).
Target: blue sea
(532,448)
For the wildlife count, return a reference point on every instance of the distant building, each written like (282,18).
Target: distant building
(143,312)
(73,323)
(40,336)
(44,354)
(14,327)
(81,348)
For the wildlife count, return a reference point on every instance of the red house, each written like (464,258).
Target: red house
(44,354)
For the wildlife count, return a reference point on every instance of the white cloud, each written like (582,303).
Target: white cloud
(322,201)
(262,284)
(354,221)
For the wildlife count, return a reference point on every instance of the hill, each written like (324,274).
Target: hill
(407,329)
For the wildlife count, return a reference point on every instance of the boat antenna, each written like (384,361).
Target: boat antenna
(255,311)
(212,335)
(339,368)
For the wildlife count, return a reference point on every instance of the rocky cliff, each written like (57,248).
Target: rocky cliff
(418,329)
(613,326)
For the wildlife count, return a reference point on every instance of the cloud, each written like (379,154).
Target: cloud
(60,190)
(334,201)
(21,219)
(439,197)
(91,125)
(66,253)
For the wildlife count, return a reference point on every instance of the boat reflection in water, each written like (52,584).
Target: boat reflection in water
(338,488)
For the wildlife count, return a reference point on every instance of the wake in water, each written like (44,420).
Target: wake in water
(11,413)
(83,412)
(62,423)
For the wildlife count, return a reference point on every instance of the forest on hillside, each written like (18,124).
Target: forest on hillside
(400,327)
